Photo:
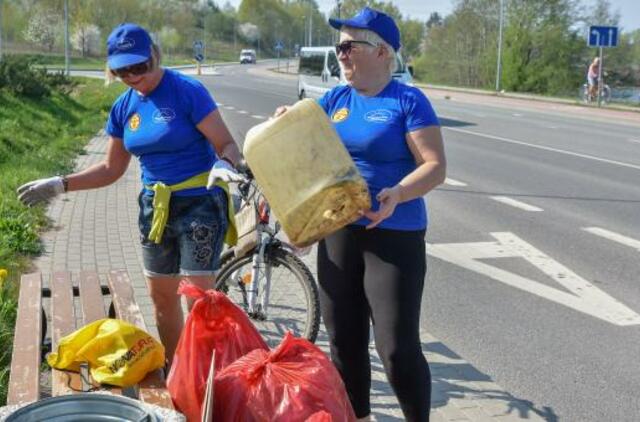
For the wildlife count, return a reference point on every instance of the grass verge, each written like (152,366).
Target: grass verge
(38,138)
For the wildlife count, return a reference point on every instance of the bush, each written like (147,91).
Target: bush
(20,77)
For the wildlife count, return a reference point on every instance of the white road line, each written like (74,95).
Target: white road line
(561,151)
(624,240)
(517,115)
(453,182)
(510,201)
(230,107)
(634,141)
(257,116)
(220,104)
(577,293)
(242,112)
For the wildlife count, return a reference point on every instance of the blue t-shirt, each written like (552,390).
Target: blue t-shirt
(160,129)
(373,129)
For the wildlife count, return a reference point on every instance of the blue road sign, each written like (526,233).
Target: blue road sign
(199,57)
(279,45)
(603,36)
(197,46)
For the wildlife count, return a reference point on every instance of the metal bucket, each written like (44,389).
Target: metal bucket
(85,408)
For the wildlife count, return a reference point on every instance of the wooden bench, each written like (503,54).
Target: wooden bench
(66,299)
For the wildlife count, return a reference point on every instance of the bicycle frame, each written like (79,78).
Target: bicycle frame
(257,306)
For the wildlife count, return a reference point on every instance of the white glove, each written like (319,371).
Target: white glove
(222,171)
(41,190)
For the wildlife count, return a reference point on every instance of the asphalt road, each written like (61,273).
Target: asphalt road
(534,243)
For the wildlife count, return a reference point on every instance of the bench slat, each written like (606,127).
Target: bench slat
(62,323)
(91,299)
(152,388)
(24,381)
(92,306)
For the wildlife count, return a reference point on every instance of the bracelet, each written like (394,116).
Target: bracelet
(65,183)
(228,161)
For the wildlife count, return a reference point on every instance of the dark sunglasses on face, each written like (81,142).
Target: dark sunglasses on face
(346,46)
(135,69)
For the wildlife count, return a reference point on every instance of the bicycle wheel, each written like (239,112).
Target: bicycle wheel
(293,295)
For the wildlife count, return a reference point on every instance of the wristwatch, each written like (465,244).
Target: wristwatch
(65,183)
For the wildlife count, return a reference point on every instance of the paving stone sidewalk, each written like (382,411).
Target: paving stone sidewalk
(97,231)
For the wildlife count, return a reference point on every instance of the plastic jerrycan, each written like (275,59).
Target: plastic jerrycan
(306,173)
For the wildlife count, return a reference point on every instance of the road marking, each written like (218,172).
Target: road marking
(220,105)
(257,116)
(517,115)
(230,107)
(584,296)
(561,151)
(634,141)
(514,203)
(242,112)
(624,240)
(454,182)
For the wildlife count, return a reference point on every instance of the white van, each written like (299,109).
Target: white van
(319,71)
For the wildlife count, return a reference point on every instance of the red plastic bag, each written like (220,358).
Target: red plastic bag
(293,382)
(214,323)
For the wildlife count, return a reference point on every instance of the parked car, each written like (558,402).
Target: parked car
(319,71)
(247,56)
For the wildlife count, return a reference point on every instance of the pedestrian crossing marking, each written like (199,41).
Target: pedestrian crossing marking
(583,297)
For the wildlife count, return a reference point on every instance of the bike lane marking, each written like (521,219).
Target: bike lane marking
(527,144)
(583,297)
(613,236)
(515,203)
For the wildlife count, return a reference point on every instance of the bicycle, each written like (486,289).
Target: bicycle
(263,275)
(588,98)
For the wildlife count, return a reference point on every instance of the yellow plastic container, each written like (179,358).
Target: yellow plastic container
(306,173)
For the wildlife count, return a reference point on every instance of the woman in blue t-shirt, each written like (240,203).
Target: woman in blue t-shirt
(171,124)
(374,270)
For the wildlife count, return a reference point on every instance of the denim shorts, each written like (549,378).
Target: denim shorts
(192,239)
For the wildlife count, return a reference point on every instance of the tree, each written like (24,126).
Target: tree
(434,20)
(43,27)
(169,39)
(86,38)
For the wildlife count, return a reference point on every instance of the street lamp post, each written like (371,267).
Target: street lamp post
(499,67)
(304,31)
(0,30)
(66,37)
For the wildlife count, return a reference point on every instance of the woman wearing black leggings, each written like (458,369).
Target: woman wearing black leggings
(374,269)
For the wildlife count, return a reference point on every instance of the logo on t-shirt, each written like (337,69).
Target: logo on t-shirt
(378,116)
(163,115)
(134,122)
(340,115)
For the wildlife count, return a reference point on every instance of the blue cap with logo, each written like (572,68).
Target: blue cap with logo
(128,44)
(373,20)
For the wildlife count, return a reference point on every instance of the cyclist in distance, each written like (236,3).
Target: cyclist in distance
(592,78)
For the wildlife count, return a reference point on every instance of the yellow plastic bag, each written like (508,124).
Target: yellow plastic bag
(117,352)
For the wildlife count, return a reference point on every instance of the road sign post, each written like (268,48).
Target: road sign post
(602,37)
(279,46)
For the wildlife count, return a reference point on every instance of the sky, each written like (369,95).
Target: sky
(421,9)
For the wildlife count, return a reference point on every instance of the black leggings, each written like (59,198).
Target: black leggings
(376,274)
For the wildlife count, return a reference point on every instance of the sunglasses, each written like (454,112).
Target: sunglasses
(135,69)
(346,46)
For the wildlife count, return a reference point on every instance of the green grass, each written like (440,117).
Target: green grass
(38,138)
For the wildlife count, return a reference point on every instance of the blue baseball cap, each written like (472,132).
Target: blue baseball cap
(128,44)
(373,20)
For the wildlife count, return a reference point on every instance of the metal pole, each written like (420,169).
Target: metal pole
(600,79)
(499,67)
(0,30)
(66,37)
(311,31)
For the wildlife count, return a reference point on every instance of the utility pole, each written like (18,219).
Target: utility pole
(310,25)
(0,30)
(499,69)
(66,37)
(304,31)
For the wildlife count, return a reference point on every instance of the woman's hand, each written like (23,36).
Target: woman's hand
(281,110)
(388,199)
(41,190)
